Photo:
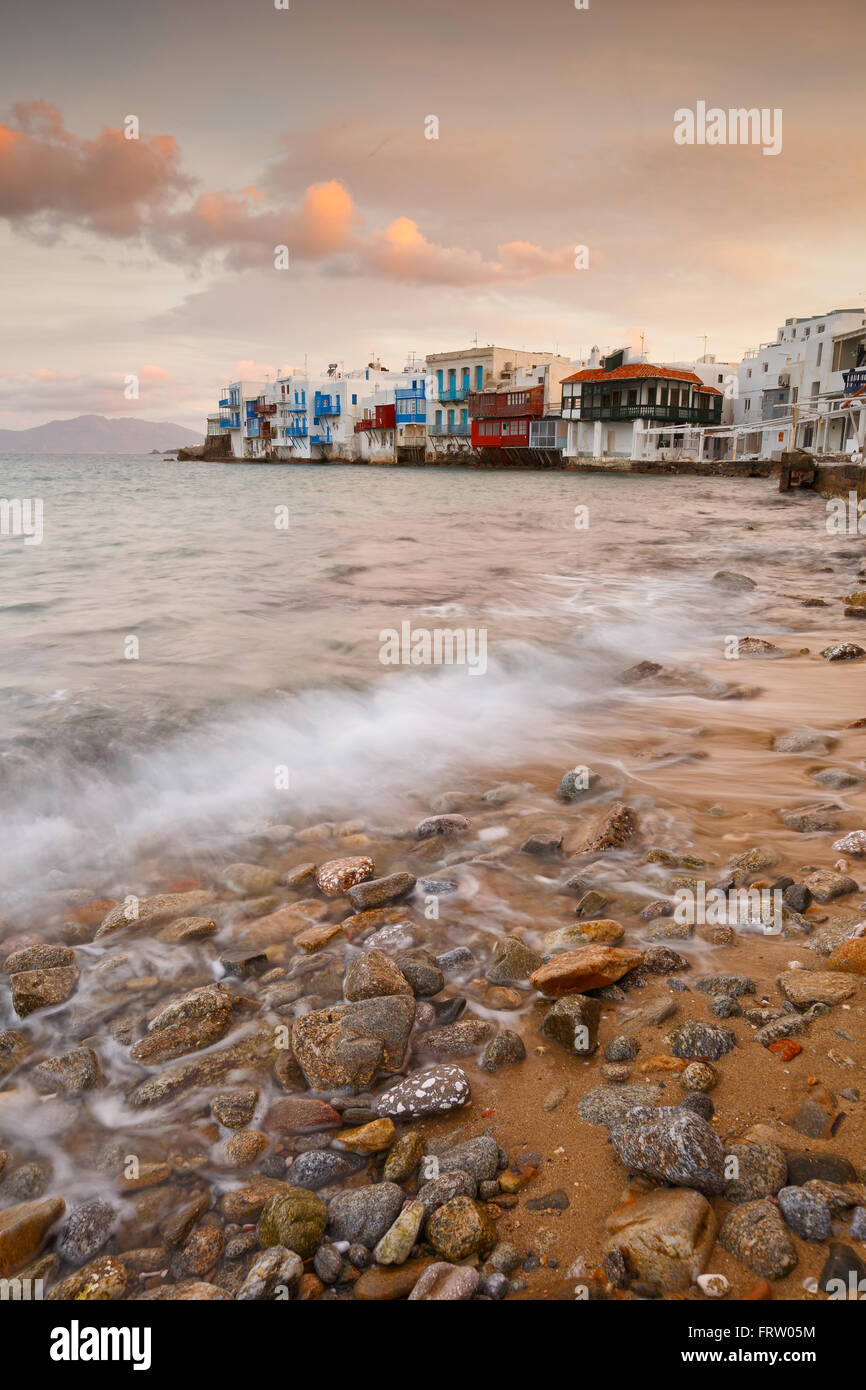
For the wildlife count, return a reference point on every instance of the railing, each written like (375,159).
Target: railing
(445,430)
(362,425)
(405,418)
(453,393)
(323,437)
(298,431)
(232,423)
(326,403)
(687,414)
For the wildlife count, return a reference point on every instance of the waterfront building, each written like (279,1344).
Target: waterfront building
(789,388)
(239,418)
(517,418)
(452,377)
(610,405)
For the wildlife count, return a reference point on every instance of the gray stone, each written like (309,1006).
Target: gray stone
(805,1213)
(608,1105)
(506,1047)
(362,1215)
(756,1234)
(88,1227)
(672,1145)
(763,1170)
(573,1023)
(702,1041)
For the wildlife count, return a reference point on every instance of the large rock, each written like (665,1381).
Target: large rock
(431,1091)
(512,960)
(850,956)
(362,1215)
(479,1157)
(461,1228)
(665,1237)
(72,1072)
(672,1144)
(805,987)
(249,879)
(703,1041)
(349,1044)
(586,967)
(573,1023)
(462,1039)
(88,1227)
(762,1170)
(41,989)
(372,974)
(609,1104)
(153,912)
(378,892)
(335,878)
(613,830)
(295,1219)
(825,885)
(22,1230)
(756,1234)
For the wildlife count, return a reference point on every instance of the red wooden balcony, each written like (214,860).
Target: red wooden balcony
(526,403)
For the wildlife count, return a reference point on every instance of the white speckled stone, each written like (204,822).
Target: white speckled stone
(432,1091)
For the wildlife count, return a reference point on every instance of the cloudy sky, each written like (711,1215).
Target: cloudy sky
(306,127)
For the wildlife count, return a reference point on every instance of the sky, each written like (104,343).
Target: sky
(153,258)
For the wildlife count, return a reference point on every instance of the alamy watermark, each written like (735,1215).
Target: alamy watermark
(758,908)
(846,517)
(22,516)
(736,126)
(438,646)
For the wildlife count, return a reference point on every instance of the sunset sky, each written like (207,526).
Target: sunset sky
(306,126)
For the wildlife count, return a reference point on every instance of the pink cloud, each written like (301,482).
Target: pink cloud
(50,178)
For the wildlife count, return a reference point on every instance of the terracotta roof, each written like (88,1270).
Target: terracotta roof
(640,369)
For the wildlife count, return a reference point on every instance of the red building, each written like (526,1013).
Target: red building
(501,419)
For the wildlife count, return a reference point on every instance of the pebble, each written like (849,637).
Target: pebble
(756,1234)
(702,1041)
(396,1244)
(461,1228)
(295,1218)
(763,1171)
(272,1272)
(431,1091)
(673,1145)
(506,1047)
(441,1283)
(805,1213)
(362,1215)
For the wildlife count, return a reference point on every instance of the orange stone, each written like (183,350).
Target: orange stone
(313,938)
(586,967)
(850,956)
(662,1063)
(785,1048)
(759,1290)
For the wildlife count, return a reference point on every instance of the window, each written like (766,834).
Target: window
(795,395)
(820,328)
(749,372)
(820,354)
(354,400)
(807,333)
(479,378)
(651,395)
(720,379)
(450,421)
(663,396)
(766,366)
(465,378)
(632,397)
(438,419)
(439,378)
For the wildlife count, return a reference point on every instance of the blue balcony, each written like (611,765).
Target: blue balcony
(252,430)
(454,431)
(453,392)
(224,403)
(323,436)
(326,403)
(231,422)
(297,430)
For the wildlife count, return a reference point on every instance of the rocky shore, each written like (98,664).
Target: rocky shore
(478,1057)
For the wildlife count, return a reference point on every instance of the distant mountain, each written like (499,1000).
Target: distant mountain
(97,434)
